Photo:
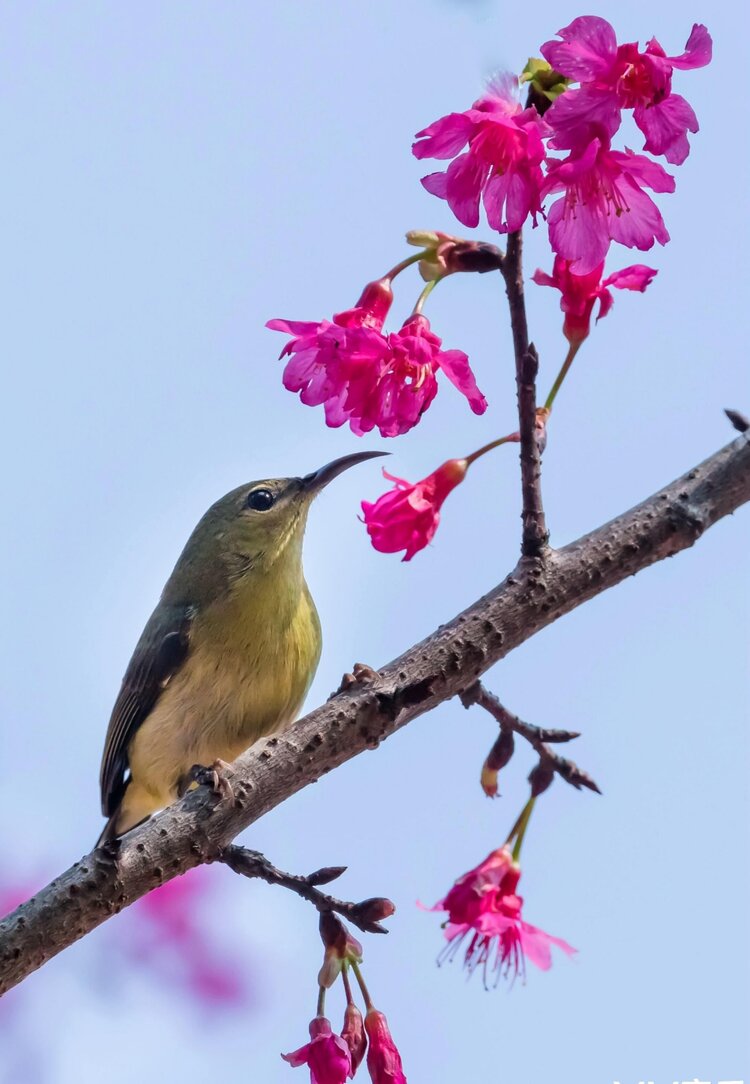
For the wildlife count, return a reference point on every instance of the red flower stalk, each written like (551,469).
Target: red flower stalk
(483,906)
(383,1058)
(327,1054)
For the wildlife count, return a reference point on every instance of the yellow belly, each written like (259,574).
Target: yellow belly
(241,681)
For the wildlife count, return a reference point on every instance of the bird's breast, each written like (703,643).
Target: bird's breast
(248,670)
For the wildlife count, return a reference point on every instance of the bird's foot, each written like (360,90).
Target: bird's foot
(362,674)
(216,778)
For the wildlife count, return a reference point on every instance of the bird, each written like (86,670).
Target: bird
(228,655)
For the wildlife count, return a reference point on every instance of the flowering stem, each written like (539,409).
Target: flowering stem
(425,294)
(321,1011)
(406,263)
(519,828)
(572,351)
(535,534)
(345,980)
(365,992)
(511,438)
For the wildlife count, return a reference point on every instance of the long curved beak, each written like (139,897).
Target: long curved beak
(313,483)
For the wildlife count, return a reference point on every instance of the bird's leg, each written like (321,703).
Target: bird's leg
(362,675)
(215,777)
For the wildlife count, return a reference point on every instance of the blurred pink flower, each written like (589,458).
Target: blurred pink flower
(616,77)
(168,936)
(502,165)
(407,516)
(604,201)
(327,1055)
(383,1058)
(483,905)
(580,292)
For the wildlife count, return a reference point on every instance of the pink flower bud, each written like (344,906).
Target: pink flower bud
(407,517)
(581,292)
(353,1034)
(383,1058)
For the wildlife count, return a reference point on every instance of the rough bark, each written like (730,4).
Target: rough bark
(536,593)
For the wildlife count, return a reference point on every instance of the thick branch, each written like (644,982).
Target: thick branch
(535,535)
(536,593)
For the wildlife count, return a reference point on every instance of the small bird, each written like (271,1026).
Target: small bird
(227,656)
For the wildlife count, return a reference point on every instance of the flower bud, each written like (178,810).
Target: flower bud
(383,1058)
(540,778)
(353,1034)
(340,946)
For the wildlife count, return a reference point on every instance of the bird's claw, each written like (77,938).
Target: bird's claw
(362,674)
(215,777)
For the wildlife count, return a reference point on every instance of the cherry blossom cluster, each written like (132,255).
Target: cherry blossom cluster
(550,160)
(332,1058)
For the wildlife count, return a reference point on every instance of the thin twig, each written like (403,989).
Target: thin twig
(364,914)
(535,534)
(549,762)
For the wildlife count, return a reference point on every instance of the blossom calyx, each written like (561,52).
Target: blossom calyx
(447,255)
(340,948)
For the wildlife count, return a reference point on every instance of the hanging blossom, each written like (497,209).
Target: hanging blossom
(367,378)
(502,165)
(613,78)
(484,913)
(327,1054)
(407,516)
(383,1058)
(603,201)
(581,292)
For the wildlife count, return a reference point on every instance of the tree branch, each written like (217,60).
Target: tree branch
(366,914)
(536,593)
(535,535)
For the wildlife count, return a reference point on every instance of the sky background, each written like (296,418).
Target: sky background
(174,175)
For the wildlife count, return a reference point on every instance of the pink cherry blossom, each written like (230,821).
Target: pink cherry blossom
(370,379)
(484,912)
(604,201)
(353,1034)
(316,348)
(383,1058)
(613,78)
(580,292)
(327,1055)
(502,165)
(407,516)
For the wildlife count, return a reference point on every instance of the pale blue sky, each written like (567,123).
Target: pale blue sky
(175,174)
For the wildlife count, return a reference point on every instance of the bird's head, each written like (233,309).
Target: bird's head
(252,527)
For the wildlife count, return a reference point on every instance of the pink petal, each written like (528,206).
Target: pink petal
(644,171)
(641,224)
(665,126)
(296,327)
(698,50)
(635,277)
(465,177)
(580,115)
(541,278)
(455,365)
(587,50)
(436,184)
(445,138)
(536,946)
(582,238)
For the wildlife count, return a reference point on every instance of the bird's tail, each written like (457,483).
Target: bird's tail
(129,814)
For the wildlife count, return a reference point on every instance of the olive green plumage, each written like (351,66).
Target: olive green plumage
(228,654)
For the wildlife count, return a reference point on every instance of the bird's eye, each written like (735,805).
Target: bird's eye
(260,500)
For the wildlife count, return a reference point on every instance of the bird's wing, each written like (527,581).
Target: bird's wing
(160,652)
